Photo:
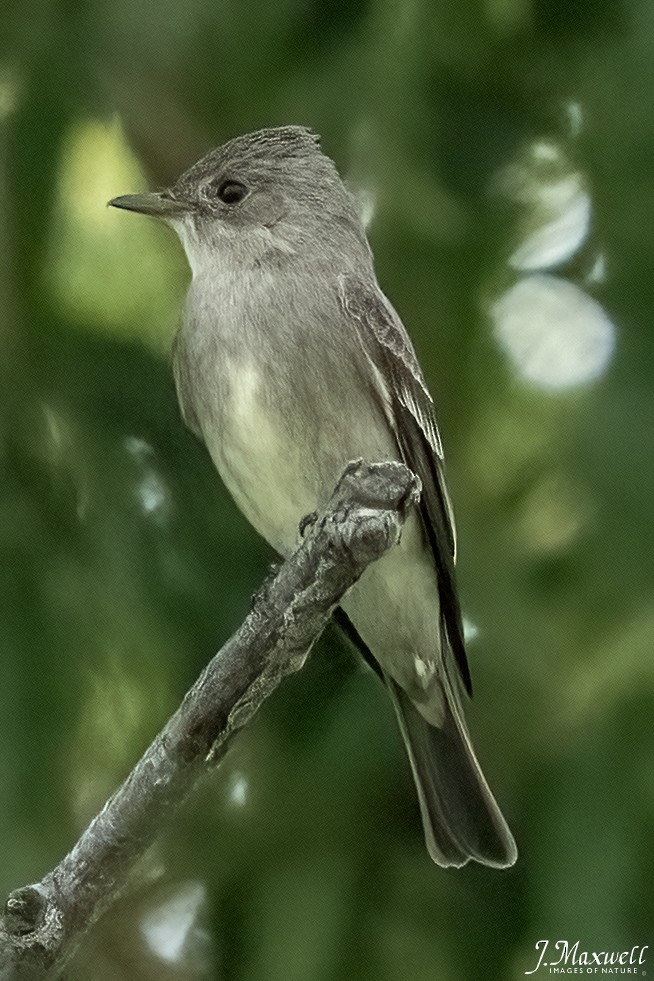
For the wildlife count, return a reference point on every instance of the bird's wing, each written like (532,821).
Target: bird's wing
(413,417)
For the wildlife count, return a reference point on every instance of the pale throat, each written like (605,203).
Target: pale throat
(222,250)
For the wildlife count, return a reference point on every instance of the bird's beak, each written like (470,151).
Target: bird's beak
(159,204)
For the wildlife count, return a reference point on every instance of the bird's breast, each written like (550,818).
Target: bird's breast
(282,393)
(257,457)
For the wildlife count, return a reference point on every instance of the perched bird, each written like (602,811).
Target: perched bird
(290,362)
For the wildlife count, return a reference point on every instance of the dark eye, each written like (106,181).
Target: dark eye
(231,192)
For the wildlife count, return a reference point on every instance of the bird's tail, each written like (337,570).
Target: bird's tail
(460,815)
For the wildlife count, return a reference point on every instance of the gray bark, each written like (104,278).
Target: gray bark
(43,923)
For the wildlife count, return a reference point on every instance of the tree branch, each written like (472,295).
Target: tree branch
(43,923)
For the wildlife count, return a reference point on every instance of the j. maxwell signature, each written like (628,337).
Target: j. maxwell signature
(566,958)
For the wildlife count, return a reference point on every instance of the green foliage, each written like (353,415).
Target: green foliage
(493,144)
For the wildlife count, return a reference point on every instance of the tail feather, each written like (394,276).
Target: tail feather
(460,815)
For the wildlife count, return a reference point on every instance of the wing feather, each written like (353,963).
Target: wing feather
(413,416)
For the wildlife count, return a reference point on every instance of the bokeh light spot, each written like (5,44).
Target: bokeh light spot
(554,333)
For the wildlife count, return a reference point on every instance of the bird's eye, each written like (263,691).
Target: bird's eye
(230,192)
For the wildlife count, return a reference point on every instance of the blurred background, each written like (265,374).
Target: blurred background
(502,151)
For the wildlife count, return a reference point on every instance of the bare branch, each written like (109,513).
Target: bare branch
(43,923)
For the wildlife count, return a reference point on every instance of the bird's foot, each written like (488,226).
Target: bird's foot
(307,522)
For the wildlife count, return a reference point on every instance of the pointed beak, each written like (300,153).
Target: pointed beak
(159,204)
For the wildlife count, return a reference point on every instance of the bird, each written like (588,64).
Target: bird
(289,363)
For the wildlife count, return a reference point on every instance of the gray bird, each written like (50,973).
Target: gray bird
(290,362)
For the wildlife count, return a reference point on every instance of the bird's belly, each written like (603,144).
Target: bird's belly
(395,609)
